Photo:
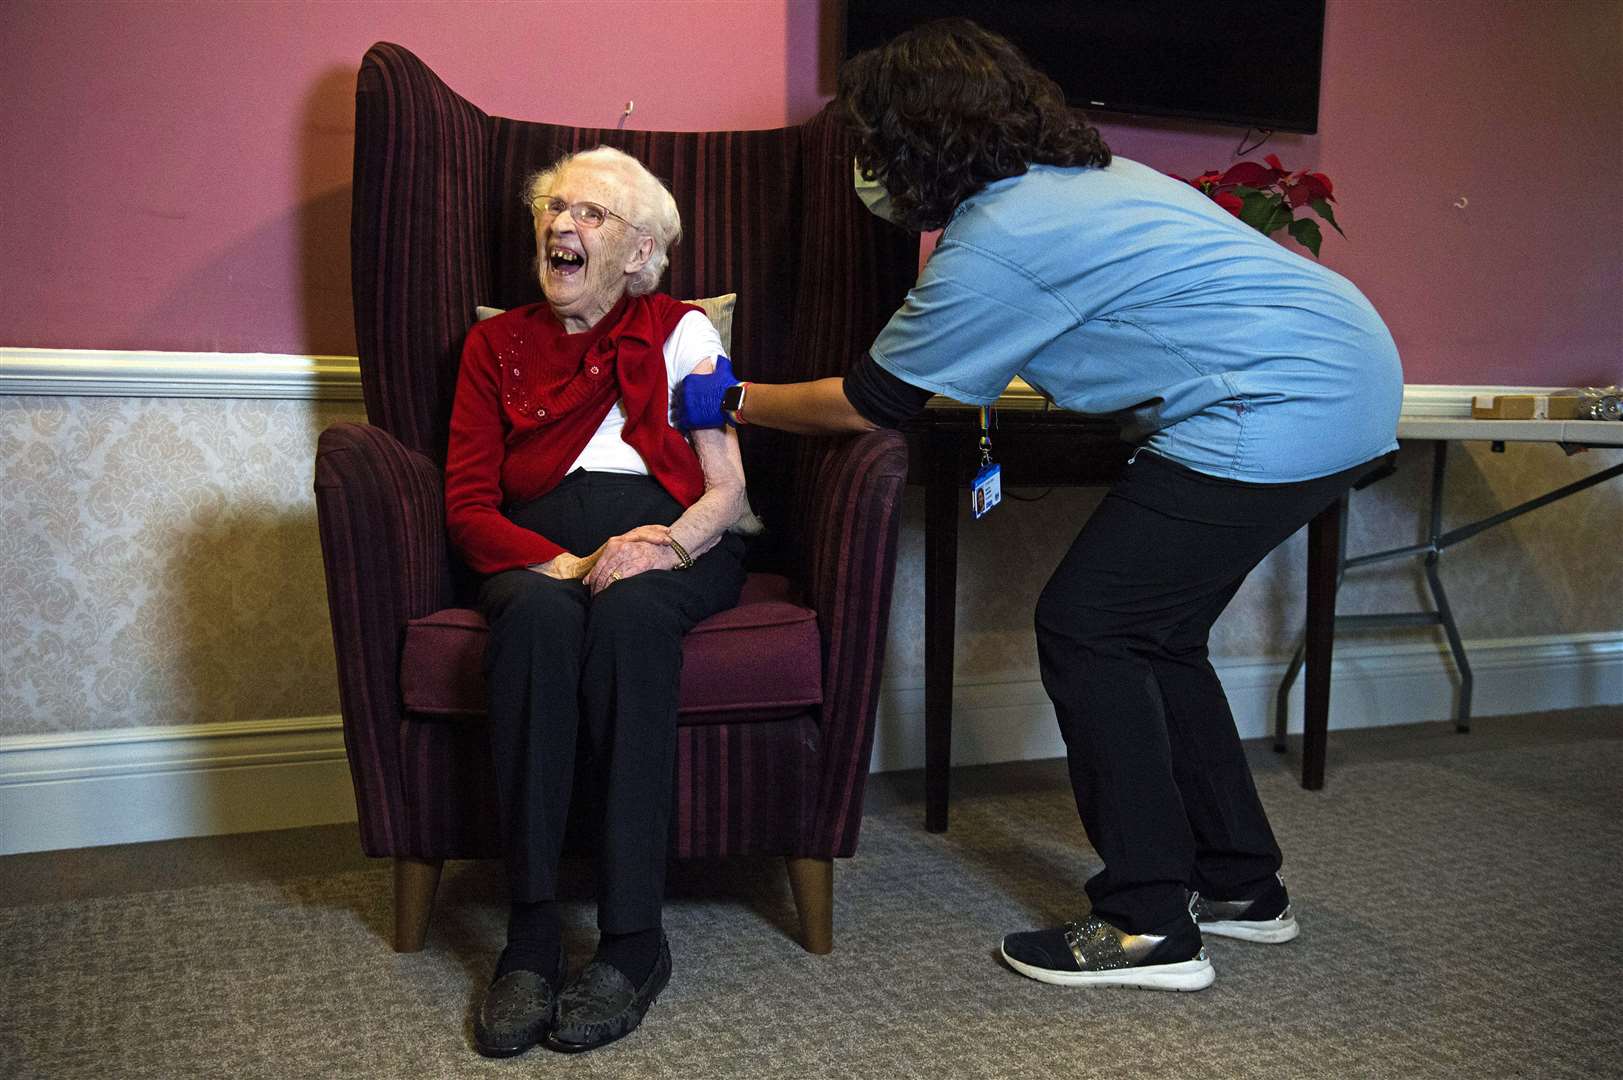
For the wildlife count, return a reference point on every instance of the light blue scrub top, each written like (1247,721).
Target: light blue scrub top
(1123,291)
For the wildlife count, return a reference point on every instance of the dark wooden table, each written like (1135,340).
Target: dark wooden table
(1051,448)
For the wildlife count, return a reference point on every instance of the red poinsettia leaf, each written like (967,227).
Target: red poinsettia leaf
(1273,162)
(1318,184)
(1229,201)
(1250,174)
(1297,195)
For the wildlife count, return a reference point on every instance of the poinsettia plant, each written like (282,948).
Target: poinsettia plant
(1266,197)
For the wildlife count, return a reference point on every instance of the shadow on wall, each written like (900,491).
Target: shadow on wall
(817,33)
(326,162)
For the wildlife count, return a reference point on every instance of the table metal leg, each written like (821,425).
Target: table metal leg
(1437,541)
(1439,597)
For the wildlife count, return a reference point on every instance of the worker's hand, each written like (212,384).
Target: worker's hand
(698,405)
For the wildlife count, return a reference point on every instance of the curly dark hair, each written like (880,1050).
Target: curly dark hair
(947,108)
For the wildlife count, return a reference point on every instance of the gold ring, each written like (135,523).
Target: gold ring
(614,575)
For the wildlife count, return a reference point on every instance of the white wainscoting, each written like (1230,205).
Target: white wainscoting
(87,788)
(125,373)
(119,373)
(115,787)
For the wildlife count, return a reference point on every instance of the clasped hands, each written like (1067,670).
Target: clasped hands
(647,547)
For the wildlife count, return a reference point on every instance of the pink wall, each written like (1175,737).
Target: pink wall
(178,175)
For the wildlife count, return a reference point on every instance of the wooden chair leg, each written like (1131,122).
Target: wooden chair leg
(812,882)
(415,881)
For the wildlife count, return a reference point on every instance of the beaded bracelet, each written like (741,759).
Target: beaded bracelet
(684,561)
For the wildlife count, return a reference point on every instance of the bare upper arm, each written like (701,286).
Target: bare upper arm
(717,447)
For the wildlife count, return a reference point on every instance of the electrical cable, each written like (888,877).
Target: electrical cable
(1242,149)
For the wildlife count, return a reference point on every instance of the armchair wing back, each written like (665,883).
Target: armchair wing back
(439,228)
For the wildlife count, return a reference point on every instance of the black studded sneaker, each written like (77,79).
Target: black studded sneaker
(1266,918)
(1095,953)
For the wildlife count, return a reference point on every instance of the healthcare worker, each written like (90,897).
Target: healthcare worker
(1257,384)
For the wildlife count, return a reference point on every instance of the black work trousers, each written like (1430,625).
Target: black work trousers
(1160,779)
(572,673)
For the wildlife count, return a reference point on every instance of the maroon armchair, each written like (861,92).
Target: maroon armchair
(778,695)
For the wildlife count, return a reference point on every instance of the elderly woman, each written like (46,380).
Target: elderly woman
(603,535)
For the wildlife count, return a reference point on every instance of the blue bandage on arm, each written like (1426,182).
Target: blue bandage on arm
(698,404)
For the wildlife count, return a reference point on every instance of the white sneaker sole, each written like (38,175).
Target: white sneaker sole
(1273,932)
(1196,974)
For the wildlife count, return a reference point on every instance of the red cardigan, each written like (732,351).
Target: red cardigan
(529,397)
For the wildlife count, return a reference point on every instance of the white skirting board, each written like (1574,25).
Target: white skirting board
(85,789)
(90,788)
(1372,686)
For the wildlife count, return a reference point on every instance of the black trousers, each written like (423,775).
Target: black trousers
(572,674)
(1160,779)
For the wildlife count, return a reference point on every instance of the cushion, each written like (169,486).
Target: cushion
(718,309)
(758,661)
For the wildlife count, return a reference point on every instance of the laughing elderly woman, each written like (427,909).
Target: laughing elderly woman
(603,533)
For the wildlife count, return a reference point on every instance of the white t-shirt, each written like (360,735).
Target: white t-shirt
(694,340)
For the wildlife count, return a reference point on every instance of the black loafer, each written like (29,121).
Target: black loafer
(600,1005)
(518,1011)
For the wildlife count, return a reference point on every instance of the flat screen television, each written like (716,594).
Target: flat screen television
(1251,64)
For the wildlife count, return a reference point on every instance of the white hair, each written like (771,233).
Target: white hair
(652,210)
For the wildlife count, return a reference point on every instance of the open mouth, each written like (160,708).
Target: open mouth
(565,262)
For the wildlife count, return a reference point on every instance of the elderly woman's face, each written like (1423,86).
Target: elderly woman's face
(584,270)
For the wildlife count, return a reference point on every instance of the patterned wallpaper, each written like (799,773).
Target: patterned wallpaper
(159,563)
(1551,572)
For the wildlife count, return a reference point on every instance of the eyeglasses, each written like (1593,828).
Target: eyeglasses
(588,215)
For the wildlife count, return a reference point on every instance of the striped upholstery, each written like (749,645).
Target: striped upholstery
(438,228)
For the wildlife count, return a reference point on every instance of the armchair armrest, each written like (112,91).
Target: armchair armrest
(381,511)
(855,514)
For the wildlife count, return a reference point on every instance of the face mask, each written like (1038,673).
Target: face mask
(874,196)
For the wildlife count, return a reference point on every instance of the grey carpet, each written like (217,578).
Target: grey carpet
(1459,898)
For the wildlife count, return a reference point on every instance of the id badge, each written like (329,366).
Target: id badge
(987,490)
